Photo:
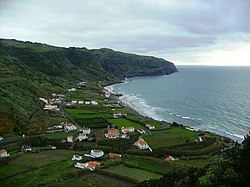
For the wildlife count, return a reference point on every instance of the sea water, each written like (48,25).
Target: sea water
(216,99)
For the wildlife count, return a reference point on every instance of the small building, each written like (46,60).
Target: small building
(94,103)
(26,148)
(112,133)
(80,102)
(44,100)
(117,115)
(59,126)
(87,102)
(69,127)
(70,138)
(77,157)
(150,127)
(74,102)
(82,137)
(123,136)
(114,155)
(170,158)
(88,165)
(4,153)
(86,130)
(142,144)
(128,129)
(1,138)
(95,153)
(72,89)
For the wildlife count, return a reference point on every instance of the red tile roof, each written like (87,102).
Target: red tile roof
(3,151)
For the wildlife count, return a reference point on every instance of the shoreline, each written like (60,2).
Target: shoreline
(137,113)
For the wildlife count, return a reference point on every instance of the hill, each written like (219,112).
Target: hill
(32,70)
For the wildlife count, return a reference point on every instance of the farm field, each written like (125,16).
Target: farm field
(170,137)
(61,135)
(121,122)
(134,173)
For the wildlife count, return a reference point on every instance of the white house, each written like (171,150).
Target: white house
(1,138)
(95,153)
(87,102)
(128,129)
(150,127)
(86,130)
(74,102)
(88,165)
(77,157)
(142,144)
(72,89)
(3,153)
(70,138)
(80,102)
(82,137)
(94,103)
(69,127)
(117,115)
(26,148)
(112,133)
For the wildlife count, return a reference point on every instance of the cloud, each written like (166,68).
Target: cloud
(162,28)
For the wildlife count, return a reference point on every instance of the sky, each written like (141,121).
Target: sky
(185,32)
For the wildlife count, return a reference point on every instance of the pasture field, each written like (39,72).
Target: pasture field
(170,137)
(134,173)
(121,122)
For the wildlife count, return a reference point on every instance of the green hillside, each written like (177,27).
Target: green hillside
(32,70)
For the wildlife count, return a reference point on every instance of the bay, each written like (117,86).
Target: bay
(216,99)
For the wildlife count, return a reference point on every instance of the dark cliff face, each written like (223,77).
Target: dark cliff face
(129,65)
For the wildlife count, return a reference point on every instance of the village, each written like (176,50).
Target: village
(99,134)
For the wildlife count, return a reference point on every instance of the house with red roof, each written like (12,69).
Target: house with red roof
(70,138)
(128,129)
(114,155)
(142,144)
(4,153)
(112,133)
(82,137)
(88,165)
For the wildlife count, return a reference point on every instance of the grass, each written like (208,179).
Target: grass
(37,168)
(84,114)
(137,174)
(148,166)
(121,122)
(170,137)
(61,135)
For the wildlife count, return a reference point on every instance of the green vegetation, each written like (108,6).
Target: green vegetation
(121,122)
(231,169)
(134,173)
(170,137)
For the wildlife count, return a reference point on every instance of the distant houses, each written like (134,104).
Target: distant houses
(170,158)
(4,153)
(86,130)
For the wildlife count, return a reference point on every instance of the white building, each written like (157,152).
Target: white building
(150,127)
(95,153)
(69,127)
(70,138)
(80,102)
(44,100)
(142,144)
(94,103)
(1,138)
(86,130)
(88,165)
(26,148)
(77,157)
(3,153)
(82,137)
(128,129)
(112,133)
(72,89)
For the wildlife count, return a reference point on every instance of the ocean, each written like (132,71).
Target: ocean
(216,99)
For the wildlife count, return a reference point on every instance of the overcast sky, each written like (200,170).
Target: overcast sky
(199,32)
